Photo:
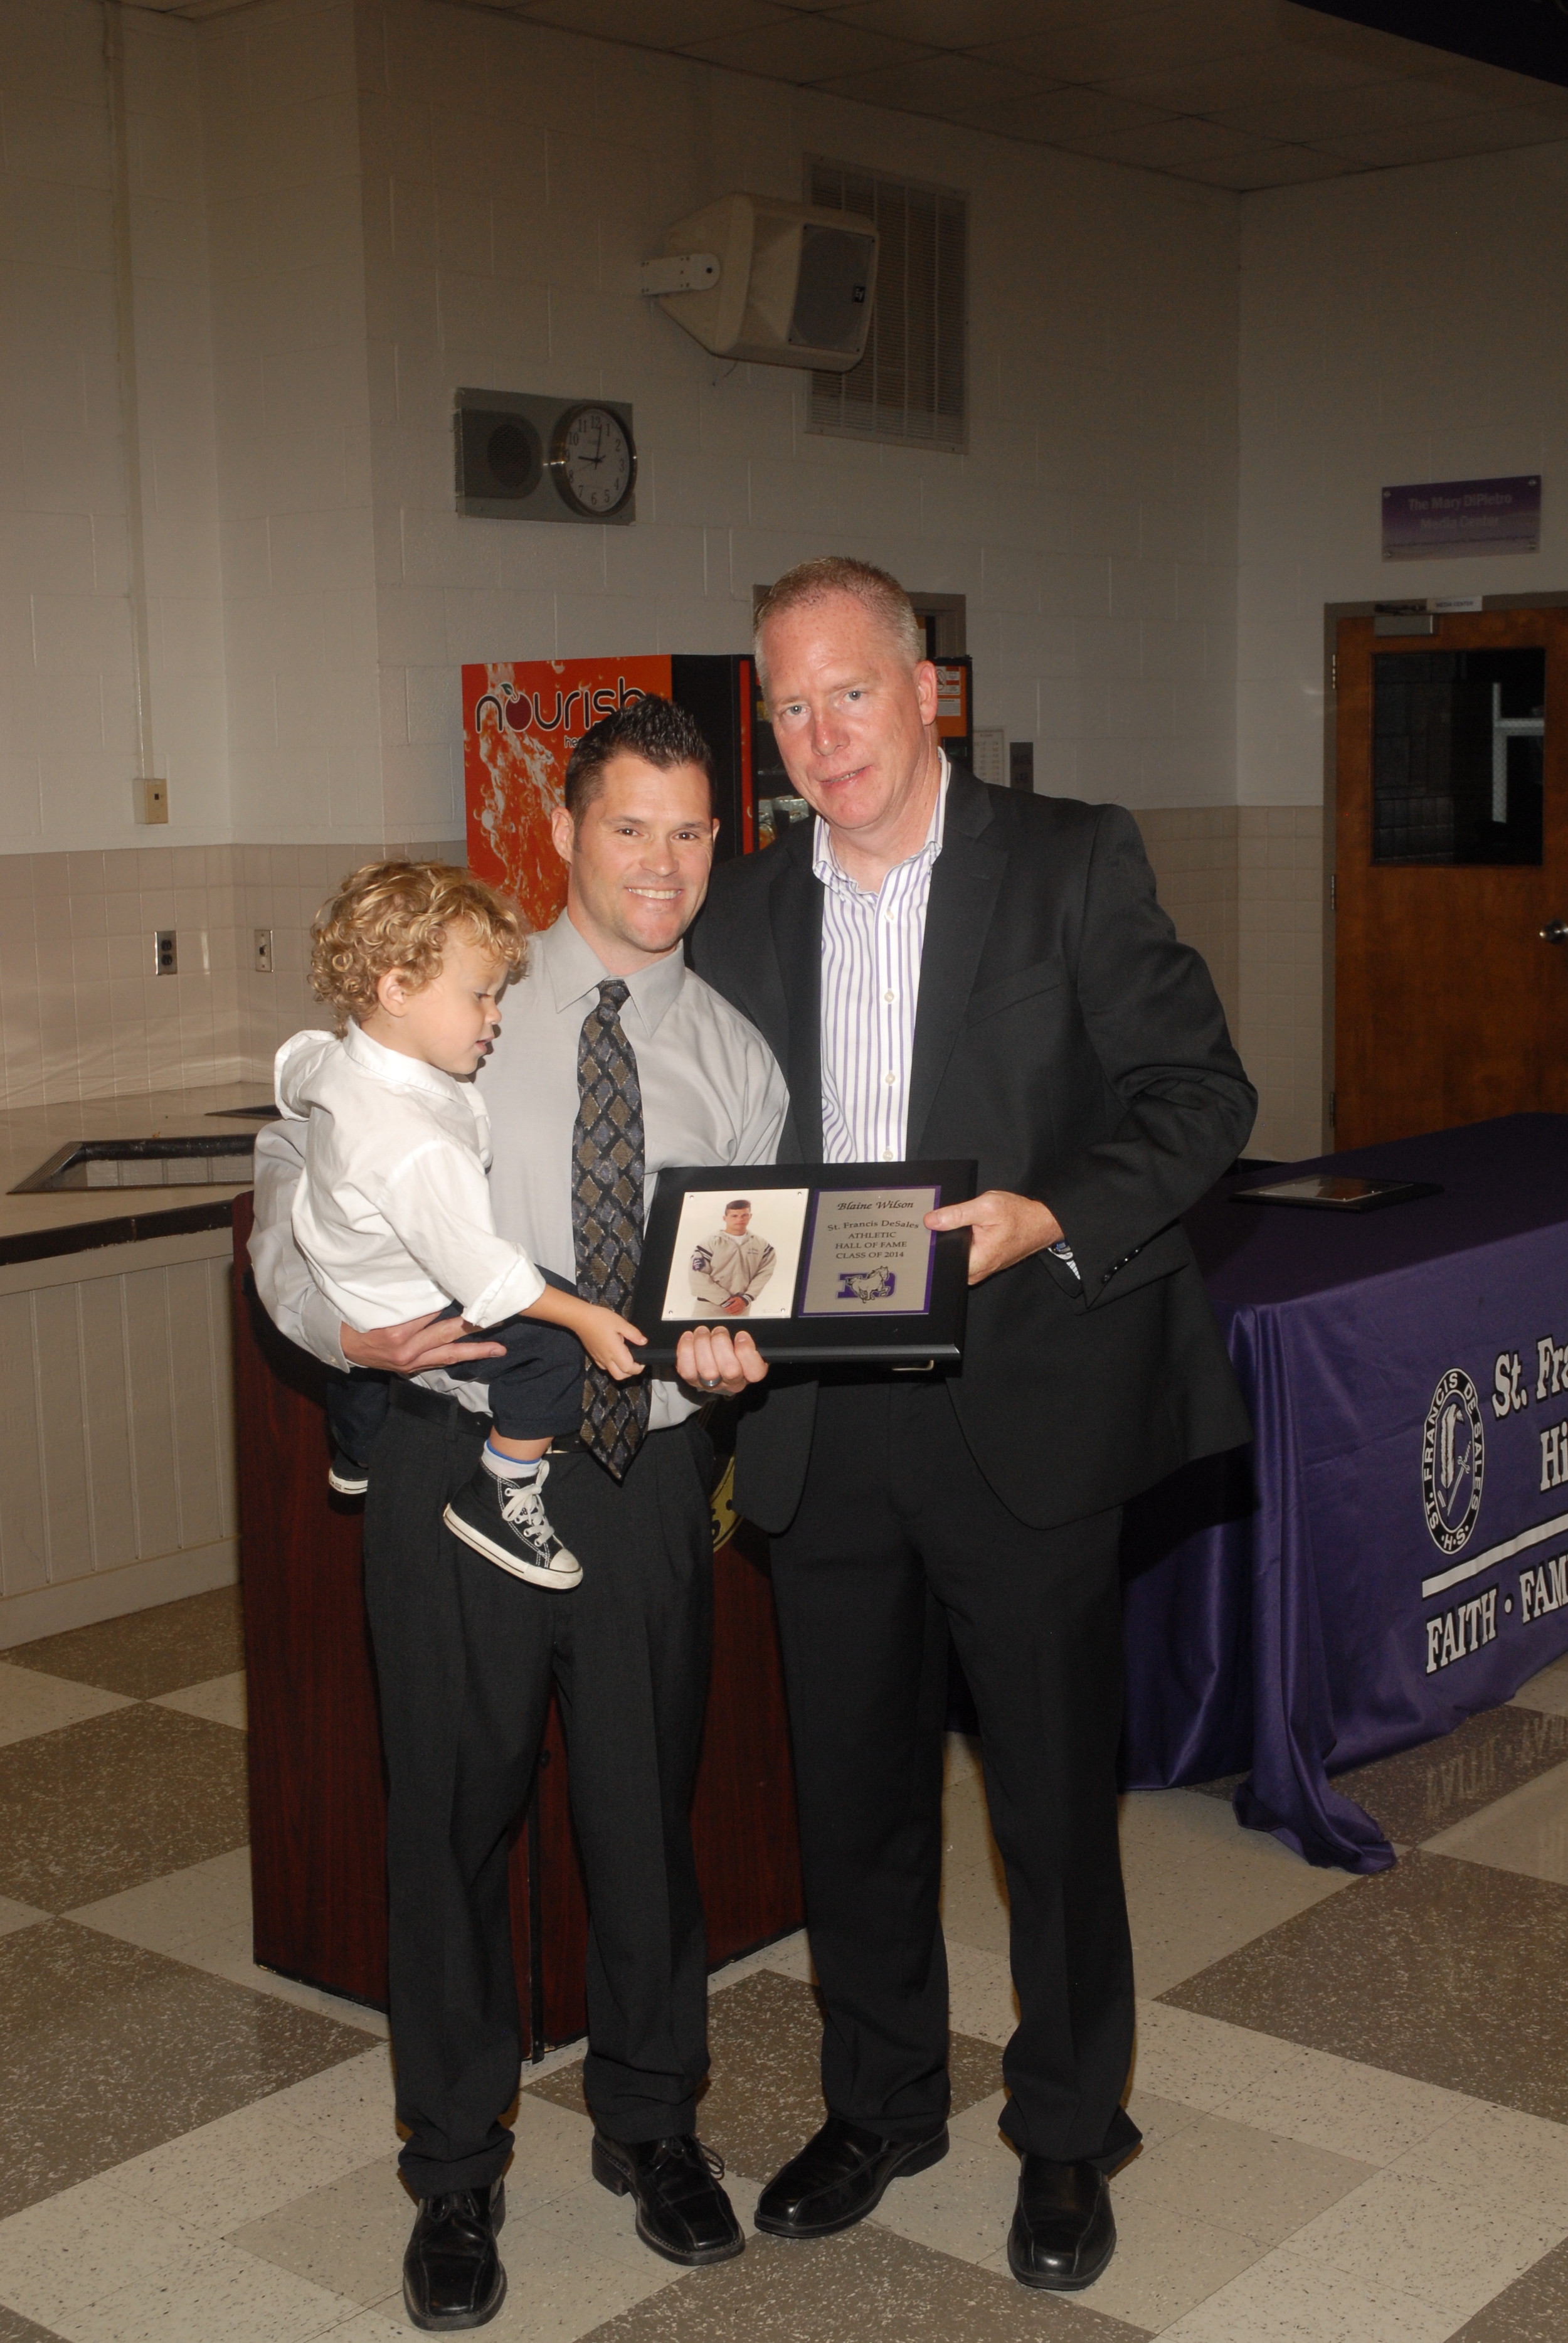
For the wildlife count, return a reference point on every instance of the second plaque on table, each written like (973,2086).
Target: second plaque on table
(825,1263)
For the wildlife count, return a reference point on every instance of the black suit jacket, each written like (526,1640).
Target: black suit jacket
(1068,1042)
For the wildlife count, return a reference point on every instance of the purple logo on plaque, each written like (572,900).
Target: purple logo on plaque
(1433,517)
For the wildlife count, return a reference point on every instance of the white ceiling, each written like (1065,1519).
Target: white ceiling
(1239,94)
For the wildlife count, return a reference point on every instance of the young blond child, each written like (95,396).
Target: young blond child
(393,1214)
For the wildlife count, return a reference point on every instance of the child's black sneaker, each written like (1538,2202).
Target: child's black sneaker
(505,1521)
(348,1479)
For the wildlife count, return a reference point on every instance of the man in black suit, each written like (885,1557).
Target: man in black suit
(945,970)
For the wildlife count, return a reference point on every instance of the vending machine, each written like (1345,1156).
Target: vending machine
(523,718)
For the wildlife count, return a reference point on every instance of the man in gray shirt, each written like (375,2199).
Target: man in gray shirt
(616,1060)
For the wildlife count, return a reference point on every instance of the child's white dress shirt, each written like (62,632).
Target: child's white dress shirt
(393,1214)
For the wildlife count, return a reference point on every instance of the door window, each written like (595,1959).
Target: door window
(1458,756)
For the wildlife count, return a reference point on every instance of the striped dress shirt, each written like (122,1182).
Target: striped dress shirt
(871,948)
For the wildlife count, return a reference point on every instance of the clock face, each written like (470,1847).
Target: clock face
(593,461)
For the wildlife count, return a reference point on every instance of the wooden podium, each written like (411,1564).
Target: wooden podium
(318,1799)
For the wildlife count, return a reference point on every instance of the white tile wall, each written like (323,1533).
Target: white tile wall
(1194,853)
(82,1014)
(1280,945)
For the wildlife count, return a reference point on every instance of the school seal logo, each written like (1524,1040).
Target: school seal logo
(1453,1457)
(865,1284)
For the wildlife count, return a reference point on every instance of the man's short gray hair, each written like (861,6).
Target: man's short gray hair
(837,573)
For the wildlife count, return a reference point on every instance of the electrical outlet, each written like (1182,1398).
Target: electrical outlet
(155,801)
(261,956)
(165,952)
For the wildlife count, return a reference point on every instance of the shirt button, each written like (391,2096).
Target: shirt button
(890,1078)
(888,1155)
(890,996)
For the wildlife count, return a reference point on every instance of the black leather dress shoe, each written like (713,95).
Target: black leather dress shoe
(1063,2232)
(452,2274)
(681,2210)
(840,2176)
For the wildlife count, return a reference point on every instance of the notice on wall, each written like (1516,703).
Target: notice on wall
(1430,519)
(521,720)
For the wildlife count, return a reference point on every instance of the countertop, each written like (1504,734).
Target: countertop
(39,1227)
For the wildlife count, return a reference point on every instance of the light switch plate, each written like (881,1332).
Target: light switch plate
(261,951)
(153,804)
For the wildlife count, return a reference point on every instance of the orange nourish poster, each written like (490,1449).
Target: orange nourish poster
(521,719)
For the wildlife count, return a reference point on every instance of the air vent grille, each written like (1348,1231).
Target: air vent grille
(910,386)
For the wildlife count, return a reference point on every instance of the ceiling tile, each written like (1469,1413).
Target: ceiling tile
(656,23)
(948,23)
(1222,83)
(1323,113)
(804,49)
(1062,116)
(1167,37)
(1166,146)
(945,86)
(1436,142)
(1267,166)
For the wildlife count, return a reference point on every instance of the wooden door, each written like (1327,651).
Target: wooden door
(1451,860)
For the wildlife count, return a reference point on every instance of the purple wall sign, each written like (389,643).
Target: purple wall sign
(1445,517)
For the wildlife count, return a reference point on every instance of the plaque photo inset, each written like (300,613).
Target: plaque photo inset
(735,1253)
(825,1263)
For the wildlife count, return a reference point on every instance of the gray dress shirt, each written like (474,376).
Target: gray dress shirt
(712,1094)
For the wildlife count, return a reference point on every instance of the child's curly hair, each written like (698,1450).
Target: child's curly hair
(389,915)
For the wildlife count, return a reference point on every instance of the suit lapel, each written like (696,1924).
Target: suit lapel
(965,881)
(795,905)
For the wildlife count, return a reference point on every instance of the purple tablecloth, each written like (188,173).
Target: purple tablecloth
(1392,1556)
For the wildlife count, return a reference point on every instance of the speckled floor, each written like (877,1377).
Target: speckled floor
(1351,2092)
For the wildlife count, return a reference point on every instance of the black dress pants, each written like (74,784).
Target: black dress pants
(898,1541)
(465,1656)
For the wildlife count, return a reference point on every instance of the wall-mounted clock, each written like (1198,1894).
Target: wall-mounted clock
(594,460)
(523,457)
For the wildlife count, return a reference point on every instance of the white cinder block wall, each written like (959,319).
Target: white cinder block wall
(80,346)
(1404,325)
(336,215)
(279,96)
(333,213)
(1091,526)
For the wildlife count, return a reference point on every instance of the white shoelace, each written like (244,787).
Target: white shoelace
(522,1507)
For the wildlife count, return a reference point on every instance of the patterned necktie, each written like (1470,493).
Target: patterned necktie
(607,1214)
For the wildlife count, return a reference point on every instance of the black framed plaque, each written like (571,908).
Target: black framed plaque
(823,1264)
